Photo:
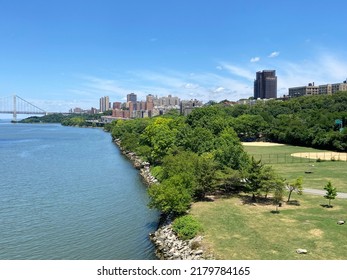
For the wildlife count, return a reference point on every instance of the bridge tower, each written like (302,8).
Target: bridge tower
(14,108)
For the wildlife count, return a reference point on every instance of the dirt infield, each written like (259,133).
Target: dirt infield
(261,144)
(322,155)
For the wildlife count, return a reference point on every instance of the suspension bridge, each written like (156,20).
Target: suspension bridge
(16,105)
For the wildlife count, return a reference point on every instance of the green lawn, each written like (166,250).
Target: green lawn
(291,167)
(237,229)
(234,230)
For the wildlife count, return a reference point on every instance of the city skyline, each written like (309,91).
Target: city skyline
(70,53)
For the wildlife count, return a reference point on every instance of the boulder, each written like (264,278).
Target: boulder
(170,247)
(340,222)
(198,252)
(301,251)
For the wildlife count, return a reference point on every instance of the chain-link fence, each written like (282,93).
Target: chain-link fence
(301,157)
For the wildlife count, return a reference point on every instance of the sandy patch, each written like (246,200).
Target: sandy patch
(322,155)
(316,232)
(287,220)
(261,144)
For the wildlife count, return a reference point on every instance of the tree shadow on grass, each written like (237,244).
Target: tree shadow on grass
(247,199)
(293,203)
(221,194)
(326,206)
(207,198)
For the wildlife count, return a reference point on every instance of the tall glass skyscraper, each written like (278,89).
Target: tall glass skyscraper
(265,84)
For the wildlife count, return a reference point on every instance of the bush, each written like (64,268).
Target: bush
(186,227)
(157,172)
(171,196)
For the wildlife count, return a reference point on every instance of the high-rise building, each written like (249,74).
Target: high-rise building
(265,84)
(132,97)
(149,102)
(104,104)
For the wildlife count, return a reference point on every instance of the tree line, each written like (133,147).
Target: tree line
(304,121)
(65,119)
(195,155)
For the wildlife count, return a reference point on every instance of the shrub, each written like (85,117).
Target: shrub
(157,172)
(186,227)
(171,196)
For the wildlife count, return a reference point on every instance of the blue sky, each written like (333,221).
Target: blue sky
(65,54)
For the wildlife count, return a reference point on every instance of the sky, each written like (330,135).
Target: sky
(68,53)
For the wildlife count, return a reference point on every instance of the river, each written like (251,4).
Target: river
(68,193)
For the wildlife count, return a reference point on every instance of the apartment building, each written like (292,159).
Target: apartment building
(311,89)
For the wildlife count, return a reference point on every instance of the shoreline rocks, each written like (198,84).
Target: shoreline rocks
(139,164)
(168,245)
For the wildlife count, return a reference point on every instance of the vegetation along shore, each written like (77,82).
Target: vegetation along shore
(246,202)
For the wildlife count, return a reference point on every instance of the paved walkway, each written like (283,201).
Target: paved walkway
(322,192)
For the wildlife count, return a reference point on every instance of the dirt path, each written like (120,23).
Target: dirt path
(322,193)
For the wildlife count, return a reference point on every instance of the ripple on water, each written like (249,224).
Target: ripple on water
(67,193)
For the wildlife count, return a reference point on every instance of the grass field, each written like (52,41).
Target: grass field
(293,167)
(234,230)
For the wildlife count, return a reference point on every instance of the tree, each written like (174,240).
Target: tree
(205,174)
(229,180)
(260,178)
(181,163)
(253,177)
(295,186)
(172,196)
(201,171)
(270,181)
(250,126)
(200,140)
(160,136)
(229,150)
(331,192)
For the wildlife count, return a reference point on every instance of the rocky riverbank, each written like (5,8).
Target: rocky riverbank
(138,163)
(168,245)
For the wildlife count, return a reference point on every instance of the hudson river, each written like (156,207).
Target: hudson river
(67,193)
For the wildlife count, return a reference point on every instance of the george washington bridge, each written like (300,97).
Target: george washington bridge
(15,105)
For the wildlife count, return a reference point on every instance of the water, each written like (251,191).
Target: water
(68,193)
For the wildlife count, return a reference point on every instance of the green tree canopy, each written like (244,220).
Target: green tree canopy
(172,196)
(331,192)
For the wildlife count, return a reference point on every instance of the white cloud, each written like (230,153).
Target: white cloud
(219,89)
(336,69)
(274,54)
(104,86)
(255,59)
(190,86)
(239,71)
